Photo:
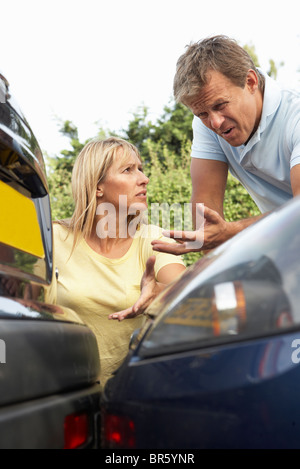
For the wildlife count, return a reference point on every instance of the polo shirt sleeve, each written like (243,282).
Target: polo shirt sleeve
(295,157)
(206,145)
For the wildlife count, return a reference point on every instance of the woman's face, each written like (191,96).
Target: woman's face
(125,185)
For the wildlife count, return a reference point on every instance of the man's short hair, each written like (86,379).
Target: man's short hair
(219,53)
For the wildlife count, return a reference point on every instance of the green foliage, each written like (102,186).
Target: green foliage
(59,179)
(273,68)
(140,129)
(172,129)
(237,202)
(60,174)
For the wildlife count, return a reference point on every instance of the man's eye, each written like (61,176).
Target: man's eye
(221,106)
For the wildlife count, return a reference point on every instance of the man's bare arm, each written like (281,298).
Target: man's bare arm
(209,180)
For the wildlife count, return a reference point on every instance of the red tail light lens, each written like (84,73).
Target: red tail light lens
(119,432)
(76,430)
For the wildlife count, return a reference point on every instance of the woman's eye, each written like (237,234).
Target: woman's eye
(128,170)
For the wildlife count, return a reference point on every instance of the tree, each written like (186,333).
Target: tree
(60,173)
(273,70)
(172,129)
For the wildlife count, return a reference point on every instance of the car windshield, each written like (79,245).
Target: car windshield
(248,287)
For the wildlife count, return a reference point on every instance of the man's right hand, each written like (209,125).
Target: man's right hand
(193,241)
(213,232)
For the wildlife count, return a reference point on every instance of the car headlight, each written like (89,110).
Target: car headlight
(221,312)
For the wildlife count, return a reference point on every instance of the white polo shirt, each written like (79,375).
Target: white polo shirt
(263,165)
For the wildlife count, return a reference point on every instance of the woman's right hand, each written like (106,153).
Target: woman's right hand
(150,289)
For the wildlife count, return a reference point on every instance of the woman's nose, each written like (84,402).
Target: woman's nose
(144,180)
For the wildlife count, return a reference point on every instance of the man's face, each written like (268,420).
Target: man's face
(231,112)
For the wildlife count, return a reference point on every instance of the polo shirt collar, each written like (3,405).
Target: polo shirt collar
(272,99)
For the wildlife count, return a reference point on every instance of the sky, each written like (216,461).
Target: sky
(95,62)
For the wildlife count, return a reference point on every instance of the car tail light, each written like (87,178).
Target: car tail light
(119,432)
(76,429)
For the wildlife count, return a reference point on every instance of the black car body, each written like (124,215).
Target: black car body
(49,361)
(217,366)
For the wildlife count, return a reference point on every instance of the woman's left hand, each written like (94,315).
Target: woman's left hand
(150,289)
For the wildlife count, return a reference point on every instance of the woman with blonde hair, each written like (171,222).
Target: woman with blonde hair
(107,268)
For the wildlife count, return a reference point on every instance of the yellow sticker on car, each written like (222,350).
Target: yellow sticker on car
(19,225)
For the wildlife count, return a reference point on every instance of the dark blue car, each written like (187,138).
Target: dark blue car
(217,364)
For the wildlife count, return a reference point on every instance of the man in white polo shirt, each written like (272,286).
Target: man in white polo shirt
(245,123)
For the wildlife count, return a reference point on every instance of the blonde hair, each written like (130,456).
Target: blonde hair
(90,169)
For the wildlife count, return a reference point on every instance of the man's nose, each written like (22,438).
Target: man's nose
(216,120)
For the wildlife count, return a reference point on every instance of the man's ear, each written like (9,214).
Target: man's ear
(252,81)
